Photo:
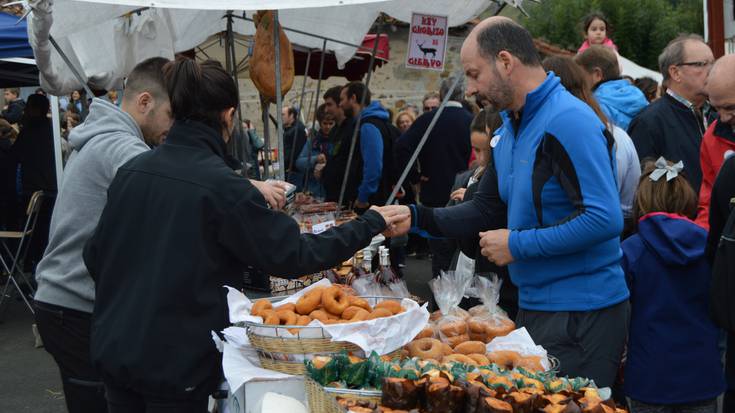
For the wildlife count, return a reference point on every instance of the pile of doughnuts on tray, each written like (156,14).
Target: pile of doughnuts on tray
(330,305)
(461,336)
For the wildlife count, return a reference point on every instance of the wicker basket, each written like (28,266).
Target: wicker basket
(276,351)
(324,399)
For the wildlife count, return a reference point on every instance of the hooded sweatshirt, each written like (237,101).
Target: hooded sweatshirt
(106,140)
(620,101)
(673,355)
(371,149)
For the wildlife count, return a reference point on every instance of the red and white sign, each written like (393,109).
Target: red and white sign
(427,42)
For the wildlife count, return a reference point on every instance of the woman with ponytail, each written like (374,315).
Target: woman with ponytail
(178,226)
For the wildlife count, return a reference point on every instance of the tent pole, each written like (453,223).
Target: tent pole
(56,122)
(301,105)
(266,138)
(279,98)
(303,84)
(71,66)
(357,121)
(316,101)
(415,155)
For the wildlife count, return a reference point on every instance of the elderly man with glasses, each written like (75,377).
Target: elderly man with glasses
(673,126)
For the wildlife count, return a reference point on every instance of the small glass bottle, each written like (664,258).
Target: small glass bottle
(385,275)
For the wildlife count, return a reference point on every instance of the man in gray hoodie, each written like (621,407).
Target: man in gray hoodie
(109,137)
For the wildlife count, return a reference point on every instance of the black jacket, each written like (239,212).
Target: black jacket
(334,172)
(178,225)
(34,151)
(445,154)
(668,128)
(14,112)
(295,132)
(719,207)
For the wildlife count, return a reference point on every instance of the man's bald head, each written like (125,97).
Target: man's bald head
(721,88)
(498,33)
(722,73)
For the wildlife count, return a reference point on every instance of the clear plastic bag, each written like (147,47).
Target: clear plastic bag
(448,289)
(488,320)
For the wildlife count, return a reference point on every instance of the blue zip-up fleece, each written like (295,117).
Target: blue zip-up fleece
(673,355)
(556,175)
(620,101)
(371,148)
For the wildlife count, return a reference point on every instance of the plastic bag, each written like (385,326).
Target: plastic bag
(448,289)
(488,320)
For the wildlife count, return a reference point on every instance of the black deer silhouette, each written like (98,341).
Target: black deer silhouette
(427,50)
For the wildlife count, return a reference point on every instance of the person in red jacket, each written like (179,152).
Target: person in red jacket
(718,142)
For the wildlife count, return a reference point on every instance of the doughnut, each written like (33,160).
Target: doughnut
(426,348)
(320,315)
(530,363)
(302,320)
(351,311)
(309,301)
(360,302)
(261,305)
(501,327)
(477,324)
(504,358)
(287,317)
(378,313)
(479,337)
(270,317)
(428,331)
(478,310)
(335,300)
(470,347)
(481,359)
(453,328)
(360,315)
(288,307)
(393,306)
(435,315)
(447,349)
(459,358)
(454,341)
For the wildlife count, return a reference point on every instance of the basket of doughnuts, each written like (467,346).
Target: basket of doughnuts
(327,319)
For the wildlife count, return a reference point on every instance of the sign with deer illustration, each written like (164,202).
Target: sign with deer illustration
(427,42)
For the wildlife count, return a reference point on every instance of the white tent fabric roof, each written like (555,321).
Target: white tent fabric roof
(635,71)
(105,39)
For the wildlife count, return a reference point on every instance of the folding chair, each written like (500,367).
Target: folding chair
(23,237)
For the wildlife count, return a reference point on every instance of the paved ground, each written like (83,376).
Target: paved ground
(29,379)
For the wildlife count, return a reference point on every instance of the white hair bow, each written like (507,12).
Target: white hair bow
(663,168)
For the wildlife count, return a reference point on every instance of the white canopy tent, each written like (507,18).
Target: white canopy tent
(630,68)
(115,35)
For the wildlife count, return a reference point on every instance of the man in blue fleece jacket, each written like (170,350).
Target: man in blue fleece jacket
(371,171)
(552,166)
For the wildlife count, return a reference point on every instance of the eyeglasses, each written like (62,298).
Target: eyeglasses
(703,63)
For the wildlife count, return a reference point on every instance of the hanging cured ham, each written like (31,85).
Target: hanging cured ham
(263,60)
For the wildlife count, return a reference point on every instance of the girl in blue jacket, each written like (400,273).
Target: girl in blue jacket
(673,359)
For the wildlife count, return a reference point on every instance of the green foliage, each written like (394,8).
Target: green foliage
(640,28)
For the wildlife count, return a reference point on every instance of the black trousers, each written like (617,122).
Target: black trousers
(587,343)
(121,400)
(65,334)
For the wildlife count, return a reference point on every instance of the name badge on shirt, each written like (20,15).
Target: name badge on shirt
(494,141)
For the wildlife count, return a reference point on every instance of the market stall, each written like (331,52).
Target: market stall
(354,339)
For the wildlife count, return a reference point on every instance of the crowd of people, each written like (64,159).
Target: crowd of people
(603,203)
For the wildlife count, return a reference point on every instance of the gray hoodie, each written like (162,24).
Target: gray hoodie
(106,140)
